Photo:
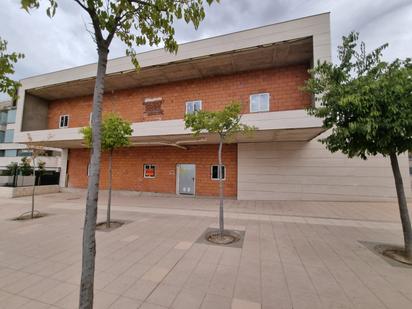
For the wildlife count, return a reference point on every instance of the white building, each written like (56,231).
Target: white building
(13,152)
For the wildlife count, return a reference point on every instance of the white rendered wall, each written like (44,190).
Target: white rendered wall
(63,169)
(308,171)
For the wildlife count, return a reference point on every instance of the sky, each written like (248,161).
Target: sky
(63,41)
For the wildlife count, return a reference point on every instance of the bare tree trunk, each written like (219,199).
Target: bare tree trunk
(403,207)
(34,188)
(219,172)
(109,202)
(89,239)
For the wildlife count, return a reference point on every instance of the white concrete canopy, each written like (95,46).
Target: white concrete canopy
(293,125)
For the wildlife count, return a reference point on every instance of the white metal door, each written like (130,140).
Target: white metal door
(186,174)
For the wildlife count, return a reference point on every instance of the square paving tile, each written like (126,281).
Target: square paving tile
(141,289)
(244,304)
(125,303)
(163,295)
(212,301)
(155,274)
(188,299)
(130,238)
(184,245)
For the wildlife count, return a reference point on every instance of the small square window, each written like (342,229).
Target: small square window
(153,106)
(149,171)
(193,106)
(215,174)
(259,102)
(64,121)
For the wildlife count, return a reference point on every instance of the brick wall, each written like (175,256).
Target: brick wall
(128,168)
(283,84)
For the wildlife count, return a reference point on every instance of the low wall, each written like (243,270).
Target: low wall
(27,191)
(21,181)
(4,180)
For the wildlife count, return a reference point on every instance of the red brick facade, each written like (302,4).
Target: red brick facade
(128,168)
(283,84)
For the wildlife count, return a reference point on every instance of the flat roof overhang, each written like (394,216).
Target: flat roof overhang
(289,52)
(292,125)
(184,140)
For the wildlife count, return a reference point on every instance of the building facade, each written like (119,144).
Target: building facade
(12,152)
(264,69)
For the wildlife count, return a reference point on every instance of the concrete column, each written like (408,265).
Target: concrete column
(63,169)
(322,44)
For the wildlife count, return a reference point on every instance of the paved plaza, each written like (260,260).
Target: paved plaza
(295,255)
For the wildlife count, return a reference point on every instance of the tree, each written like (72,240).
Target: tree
(12,169)
(24,167)
(27,167)
(367,104)
(135,23)
(7,61)
(225,124)
(115,134)
(41,168)
(36,151)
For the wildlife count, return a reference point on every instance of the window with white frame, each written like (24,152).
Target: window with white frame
(193,106)
(259,102)
(90,119)
(214,172)
(149,171)
(64,121)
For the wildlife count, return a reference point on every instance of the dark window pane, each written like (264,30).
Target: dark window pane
(24,153)
(215,172)
(64,121)
(10,153)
